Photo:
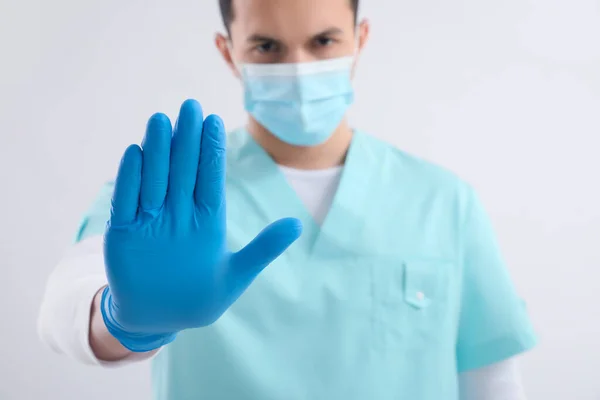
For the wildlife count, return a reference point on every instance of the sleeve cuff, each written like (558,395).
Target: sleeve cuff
(82,324)
(494,351)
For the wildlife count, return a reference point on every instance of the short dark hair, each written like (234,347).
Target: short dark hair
(227,11)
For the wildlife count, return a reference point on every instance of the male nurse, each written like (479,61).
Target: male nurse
(297,258)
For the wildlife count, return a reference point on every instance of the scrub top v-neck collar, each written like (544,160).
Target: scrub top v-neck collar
(266,184)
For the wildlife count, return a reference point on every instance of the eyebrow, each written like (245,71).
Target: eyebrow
(330,32)
(258,38)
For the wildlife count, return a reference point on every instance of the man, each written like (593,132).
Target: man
(386,281)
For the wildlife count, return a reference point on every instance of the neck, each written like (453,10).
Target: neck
(326,155)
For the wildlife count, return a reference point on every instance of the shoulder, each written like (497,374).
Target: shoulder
(414,172)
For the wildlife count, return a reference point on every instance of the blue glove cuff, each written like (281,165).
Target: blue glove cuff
(135,342)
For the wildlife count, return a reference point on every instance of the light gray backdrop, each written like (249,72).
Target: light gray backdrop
(506,93)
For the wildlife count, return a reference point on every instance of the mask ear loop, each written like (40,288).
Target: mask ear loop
(356,52)
(356,41)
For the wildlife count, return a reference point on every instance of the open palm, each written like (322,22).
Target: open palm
(166,259)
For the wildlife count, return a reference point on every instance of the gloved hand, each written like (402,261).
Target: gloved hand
(165,251)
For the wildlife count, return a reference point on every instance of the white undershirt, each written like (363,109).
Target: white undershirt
(316,188)
(63,323)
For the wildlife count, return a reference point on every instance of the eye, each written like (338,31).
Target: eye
(324,41)
(267,47)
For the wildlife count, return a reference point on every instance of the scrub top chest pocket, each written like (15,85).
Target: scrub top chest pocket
(411,299)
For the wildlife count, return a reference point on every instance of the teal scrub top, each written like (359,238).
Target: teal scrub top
(398,291)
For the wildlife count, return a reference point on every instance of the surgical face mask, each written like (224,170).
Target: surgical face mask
(303,103)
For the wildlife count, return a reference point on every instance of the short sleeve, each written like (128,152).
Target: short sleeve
(94,221)
(493,324)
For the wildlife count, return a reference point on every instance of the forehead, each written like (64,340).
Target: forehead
(287,17)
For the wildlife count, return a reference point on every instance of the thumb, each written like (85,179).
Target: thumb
(265,247)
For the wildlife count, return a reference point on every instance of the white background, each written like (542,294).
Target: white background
(506,93)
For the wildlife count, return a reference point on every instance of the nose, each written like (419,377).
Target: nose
(299,55)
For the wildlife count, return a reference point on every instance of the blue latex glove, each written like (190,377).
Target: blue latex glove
(165,251)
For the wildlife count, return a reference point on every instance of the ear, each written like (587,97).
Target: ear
(222,43)
(363,37)
(364,29)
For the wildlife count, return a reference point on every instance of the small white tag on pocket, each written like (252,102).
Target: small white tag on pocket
(420,279)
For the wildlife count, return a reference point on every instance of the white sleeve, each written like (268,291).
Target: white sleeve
(499,381)
(64,319)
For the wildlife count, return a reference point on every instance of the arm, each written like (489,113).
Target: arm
(70,321)
(163,258)
(499,381)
